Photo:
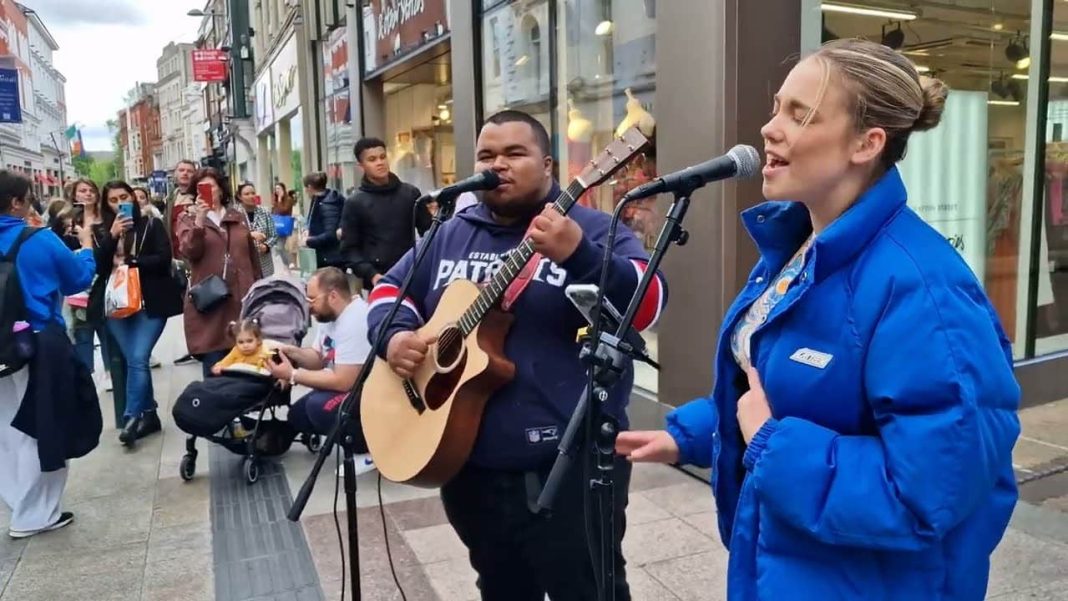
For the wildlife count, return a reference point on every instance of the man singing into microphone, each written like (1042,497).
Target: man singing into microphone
(518,554)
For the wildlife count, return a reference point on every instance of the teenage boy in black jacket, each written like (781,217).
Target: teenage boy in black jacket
(377,226)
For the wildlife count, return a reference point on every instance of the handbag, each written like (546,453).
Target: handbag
(212,291)
(122,296)
(283,225)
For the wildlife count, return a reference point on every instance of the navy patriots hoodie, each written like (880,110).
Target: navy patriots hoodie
(524,420)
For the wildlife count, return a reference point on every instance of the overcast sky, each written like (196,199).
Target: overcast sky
(107,46)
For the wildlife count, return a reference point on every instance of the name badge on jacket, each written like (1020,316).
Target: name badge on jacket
(807,356)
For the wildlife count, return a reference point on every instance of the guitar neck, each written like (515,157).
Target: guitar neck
(512,265)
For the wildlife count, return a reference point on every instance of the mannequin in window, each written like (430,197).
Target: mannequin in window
(636,115)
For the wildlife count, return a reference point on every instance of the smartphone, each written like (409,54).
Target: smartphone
(204,192)
(126,210)
(276,357)
(584,297)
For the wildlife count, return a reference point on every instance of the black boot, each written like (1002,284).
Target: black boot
(128,434)
(149,424)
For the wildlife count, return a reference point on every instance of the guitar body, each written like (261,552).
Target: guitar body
(424,442)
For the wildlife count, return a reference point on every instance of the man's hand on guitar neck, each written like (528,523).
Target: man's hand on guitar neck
(406,351)
(555,236)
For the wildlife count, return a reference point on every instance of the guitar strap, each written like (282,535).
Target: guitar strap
(521,281)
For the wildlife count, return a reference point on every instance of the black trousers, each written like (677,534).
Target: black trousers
(520,555)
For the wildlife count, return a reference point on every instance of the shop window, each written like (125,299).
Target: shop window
(606,57)
(515,61)
(1051,293)
(966,177)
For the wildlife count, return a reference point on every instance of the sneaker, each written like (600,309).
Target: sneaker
(185,359)
(362,463)
(153,362)
(64,518)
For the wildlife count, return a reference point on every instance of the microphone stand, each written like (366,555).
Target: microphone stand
(607,357)
(343,434)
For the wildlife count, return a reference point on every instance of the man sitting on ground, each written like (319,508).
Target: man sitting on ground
(331,366)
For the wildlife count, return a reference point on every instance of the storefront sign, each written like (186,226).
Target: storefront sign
(209,65)
(10,106)
(277,88)
(400,26)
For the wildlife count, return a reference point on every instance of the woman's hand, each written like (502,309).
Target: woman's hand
(85,236)
(120,226)
(200,212)
(655,446)
(753,407)
(263,248)
(258,236)
(216,370)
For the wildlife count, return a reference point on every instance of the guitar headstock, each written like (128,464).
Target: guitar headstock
(614,156)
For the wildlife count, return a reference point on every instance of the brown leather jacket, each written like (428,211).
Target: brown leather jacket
(205,248)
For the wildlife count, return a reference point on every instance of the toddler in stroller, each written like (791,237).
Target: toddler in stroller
(236,409)
(251,352)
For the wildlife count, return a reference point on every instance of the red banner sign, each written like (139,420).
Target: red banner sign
(209,65)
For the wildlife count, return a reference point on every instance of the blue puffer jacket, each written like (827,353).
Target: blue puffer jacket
(886,471)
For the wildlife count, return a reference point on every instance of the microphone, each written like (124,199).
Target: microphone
(483,180)
(741,161)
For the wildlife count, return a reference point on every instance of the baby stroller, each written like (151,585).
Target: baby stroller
(237,409)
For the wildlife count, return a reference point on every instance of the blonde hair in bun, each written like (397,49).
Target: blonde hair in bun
(884,90)
(934,102)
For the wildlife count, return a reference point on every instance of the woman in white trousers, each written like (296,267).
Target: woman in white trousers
(46,271)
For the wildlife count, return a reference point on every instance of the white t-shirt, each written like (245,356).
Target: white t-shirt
(344,341)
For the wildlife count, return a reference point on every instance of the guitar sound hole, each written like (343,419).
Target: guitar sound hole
(441,386)
(449,349)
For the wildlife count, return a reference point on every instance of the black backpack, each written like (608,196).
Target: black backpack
(12,307)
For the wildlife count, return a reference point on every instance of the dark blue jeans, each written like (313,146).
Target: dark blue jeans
(316,413)
(136,336)
(83,345)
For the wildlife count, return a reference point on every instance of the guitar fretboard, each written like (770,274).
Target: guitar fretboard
(513,265)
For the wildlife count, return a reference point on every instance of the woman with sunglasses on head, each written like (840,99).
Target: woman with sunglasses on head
(261,225)
(861,425)
(139,241)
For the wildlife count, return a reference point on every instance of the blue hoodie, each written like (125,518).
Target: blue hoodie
(524,420)
(885,472)
(48,271)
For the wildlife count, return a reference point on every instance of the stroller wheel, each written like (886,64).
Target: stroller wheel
(252,470)
(314,442)
(187,467)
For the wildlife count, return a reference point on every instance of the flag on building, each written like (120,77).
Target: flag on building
(74,138)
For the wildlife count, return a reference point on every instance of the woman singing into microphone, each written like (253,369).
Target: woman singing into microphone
(861,425)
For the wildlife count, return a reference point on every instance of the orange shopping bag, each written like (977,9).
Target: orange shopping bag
(122,298)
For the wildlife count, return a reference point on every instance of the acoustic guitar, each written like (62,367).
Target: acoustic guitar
(420,431)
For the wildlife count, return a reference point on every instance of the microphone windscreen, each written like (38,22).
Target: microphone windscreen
(746,158)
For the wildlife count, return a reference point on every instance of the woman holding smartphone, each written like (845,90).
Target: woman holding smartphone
(139,240)
(261,224)
(216,240)
(87,308)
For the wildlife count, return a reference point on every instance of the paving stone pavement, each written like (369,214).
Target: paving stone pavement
(141,533)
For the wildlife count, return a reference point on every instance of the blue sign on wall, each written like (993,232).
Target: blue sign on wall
(10,105)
